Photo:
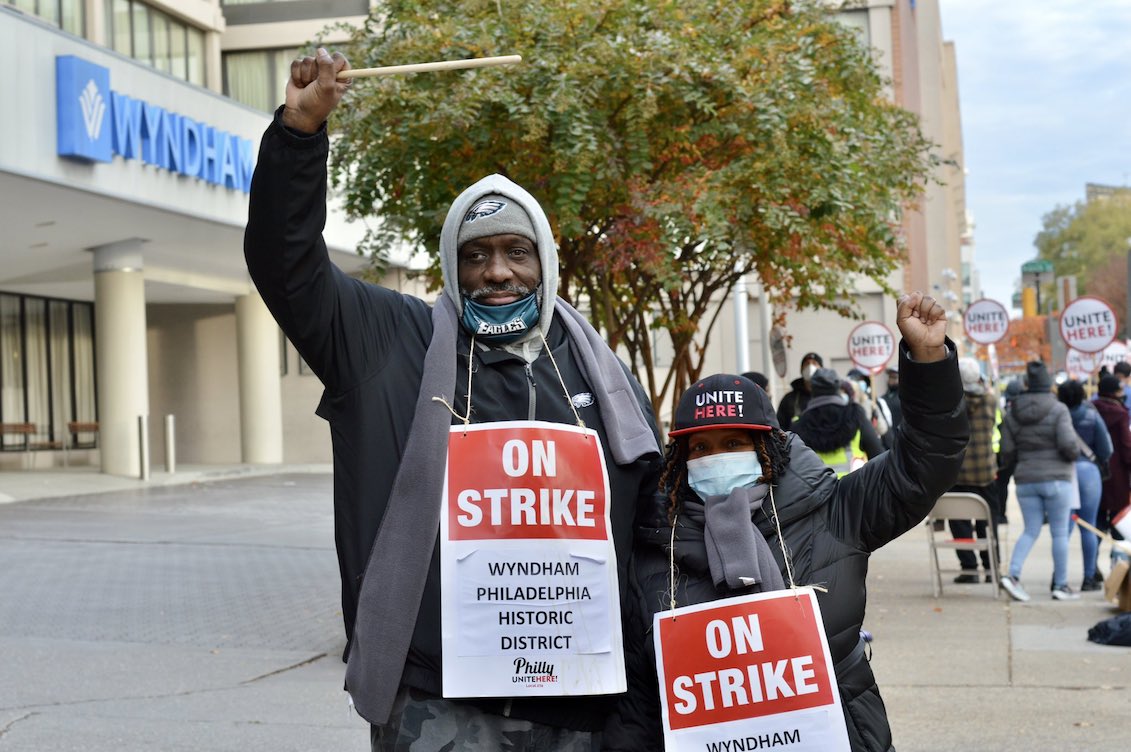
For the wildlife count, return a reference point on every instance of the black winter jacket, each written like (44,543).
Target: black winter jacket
(793,403)
(367,345)
(831,427)
(831,526)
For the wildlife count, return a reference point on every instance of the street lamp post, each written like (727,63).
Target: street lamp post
(1127,324)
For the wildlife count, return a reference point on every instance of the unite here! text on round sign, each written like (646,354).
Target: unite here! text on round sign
(1087,324)
(871,345)
(986,321)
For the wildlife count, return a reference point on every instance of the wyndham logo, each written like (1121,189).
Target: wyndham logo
(484,209)
(93,110)
(82,92)
(94,123)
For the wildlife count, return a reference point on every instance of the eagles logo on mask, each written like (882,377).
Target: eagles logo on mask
(501,323)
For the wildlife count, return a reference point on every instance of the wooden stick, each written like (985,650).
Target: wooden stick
(393,70)
(1121,545)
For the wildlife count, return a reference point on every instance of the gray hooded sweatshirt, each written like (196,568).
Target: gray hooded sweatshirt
(529,346)
(1037,433)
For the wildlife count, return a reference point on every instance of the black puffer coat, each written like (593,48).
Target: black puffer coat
(830,527)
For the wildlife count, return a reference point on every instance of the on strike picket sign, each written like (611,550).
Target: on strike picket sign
(870,346)
(529,595)
(1088,324)
(1081,365)
(752,672)
(986,321)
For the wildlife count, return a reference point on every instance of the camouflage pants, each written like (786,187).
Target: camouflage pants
(423,723)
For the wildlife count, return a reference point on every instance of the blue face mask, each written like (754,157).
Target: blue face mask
(719,474)
(500,324)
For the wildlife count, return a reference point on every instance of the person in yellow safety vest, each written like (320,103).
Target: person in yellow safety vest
(997,430)
(846,459)
(835,427)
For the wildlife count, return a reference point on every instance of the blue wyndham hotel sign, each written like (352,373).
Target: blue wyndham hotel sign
(95,123)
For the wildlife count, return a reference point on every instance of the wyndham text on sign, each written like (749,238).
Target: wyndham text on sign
(94,123)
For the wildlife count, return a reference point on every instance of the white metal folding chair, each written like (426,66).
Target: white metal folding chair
(961,506)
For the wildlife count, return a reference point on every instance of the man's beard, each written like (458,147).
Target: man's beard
(512,287)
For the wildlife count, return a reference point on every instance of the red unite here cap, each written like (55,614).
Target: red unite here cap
(724,400)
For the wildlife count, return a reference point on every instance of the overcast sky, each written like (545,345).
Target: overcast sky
(1045,92)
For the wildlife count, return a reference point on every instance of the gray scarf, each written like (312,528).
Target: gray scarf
(737,553)
(398,563)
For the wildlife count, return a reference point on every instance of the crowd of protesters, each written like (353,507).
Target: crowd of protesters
(1066,446)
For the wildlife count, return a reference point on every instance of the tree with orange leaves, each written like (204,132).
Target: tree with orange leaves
(674,146)
(1026,340)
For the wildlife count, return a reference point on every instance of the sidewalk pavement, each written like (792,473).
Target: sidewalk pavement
(200,612)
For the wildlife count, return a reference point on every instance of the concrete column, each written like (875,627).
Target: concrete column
(741,330)
(120,353)
(94,12)
(213,73)
(261,392)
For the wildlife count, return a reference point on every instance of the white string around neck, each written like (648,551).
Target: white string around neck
(466,417)
(565,389)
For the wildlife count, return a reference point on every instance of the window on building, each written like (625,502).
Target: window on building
(46,367)
(258,78)
(857,20)
(66,14)
(155,38)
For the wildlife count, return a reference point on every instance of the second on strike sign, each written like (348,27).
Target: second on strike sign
(528,571)
(751,672)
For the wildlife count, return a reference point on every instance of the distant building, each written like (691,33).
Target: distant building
(911,53)
(1097,192)
(123,291)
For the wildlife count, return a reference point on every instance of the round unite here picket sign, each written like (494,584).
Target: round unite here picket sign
(1081,365)
(986,321)
(1088,324)
(870,346)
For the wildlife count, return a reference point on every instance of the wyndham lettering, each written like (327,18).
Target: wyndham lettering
(765,741)
(94,123)
(535,568)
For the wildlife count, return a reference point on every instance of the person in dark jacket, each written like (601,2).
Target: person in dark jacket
(794,402)
(875,410)
(979,469)
(891,396)
(759,379)
(835,427)
(497,346)
(1038,436)
(1093,435)
(828,525)
(1116,489)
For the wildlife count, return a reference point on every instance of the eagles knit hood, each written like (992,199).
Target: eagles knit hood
(497,185)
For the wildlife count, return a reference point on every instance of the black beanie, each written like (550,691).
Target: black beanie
(812,356)
(824,382)
(1110,386)
(1037,377)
